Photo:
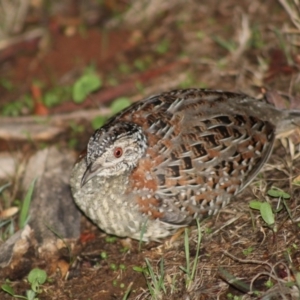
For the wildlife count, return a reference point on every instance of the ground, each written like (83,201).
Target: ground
(138,48)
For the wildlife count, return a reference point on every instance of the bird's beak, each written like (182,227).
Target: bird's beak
(89,173)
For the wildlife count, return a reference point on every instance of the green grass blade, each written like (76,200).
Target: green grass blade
(197,250)
(26,205)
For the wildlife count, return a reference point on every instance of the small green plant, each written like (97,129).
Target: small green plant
(7,84)
(113,267)
(200,35)
(128,291)
(122,267)
(124,68)
(143,230)
(36,278)
(173,285)
(138,269)
(86,84)
(16,108)
(269,283)
(162,47)
(230,46)
(23,218)
(110,239)
(256,41)
(139,86)
(277,193)
(265,208)
(233,297)
(98,122)
(191,272)
(156,285)
(248,251)
(8,227)
(119,104)
(111,80)
(140,64)
(57,95)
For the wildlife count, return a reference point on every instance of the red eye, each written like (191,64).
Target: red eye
(118,151)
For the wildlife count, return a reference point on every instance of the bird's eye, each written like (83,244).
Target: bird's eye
(118,151)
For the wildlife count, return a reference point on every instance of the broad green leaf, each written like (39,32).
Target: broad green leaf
(37,275)
(254,204)
(26,205)
(98,122)
(248,251)
(138,269)
(119,104)
(4,186)
(278,194)
(267,213)
(85,85)
(30,295)
(8,289)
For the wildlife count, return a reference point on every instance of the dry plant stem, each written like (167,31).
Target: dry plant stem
(226,224)
(273,271)
(244,36)
(30,35)
(43,128)
(258,262)
(12,14)
(247,261)
(292,12)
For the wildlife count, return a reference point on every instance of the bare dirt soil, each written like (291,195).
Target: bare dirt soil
(141,48)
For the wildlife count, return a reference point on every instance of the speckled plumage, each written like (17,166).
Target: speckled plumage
(183,155)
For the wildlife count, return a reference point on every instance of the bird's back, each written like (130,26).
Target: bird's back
(203,148)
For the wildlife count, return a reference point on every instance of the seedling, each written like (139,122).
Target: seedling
(247,251)
(119,104)
(110,239)
(265,208)
(113,267)
(124,68)
(23,218)
(191,272)
(85,85)
(156,286)
(230,46)
(162,47)
(36,278)
(98,122)
(265,211)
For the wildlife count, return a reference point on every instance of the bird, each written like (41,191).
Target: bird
(173,158)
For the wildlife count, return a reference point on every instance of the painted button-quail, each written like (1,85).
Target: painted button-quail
(174,157)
